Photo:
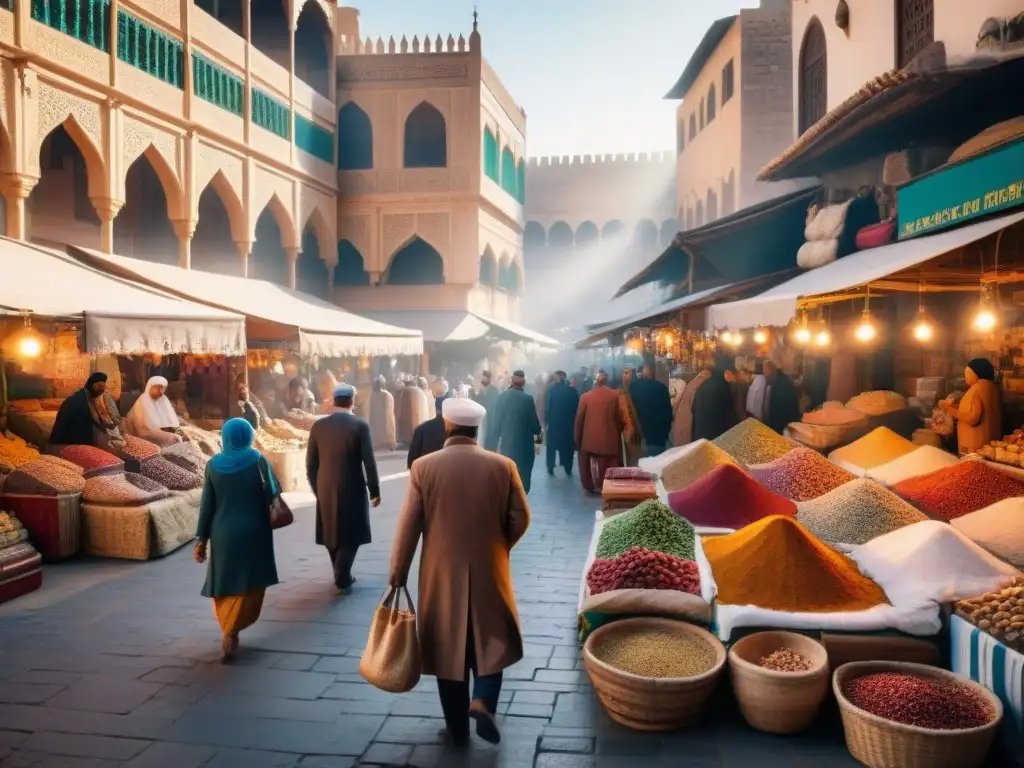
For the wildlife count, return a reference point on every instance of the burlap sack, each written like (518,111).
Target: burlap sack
(391,660)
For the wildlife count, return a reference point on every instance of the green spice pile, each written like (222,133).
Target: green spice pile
(650,525)
(657,653)
(751,442)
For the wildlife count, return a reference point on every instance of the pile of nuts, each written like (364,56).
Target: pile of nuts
(301,419)
(139,449)
(918,701)
(187,456)
(170,475)
(650,525)
(1001,614)
(45,475)
(273,444)
(117,490)
(92,460)
(642,569)
(751,442)
(282,429)
(785,660)
(14,452)
(657,653)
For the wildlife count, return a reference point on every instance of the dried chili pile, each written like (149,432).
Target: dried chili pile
(958,490)
(643,569)
(778,564)
(912,700)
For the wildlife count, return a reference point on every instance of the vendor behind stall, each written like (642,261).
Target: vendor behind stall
(298,397)
(251,406)
(152,417)
(88,417)
(979,417)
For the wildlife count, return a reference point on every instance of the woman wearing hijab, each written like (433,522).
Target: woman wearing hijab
(152,417)
(234,520)
(979,417)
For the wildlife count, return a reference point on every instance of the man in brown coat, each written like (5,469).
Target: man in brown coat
(598,433)
(469,506)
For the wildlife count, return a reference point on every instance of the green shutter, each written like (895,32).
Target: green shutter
(213,84)
(521,182)
(311,138)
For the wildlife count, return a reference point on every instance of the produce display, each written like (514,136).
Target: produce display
(14,451)
(657,653)
(301,419)
(918,462)
(650,525)
(643,569)
(47,476)
(954,491)
(1005,451)
(801,475)
(268,442)
(728,497)
(834,414)
(91,460)
(208,442)
(878,402)
(282,429)
(146,485)
(913,700)
(751,442)
(998,528)
(693,465)
(170,475)
(11,530)
(785,660)
(117,489)
(856,513)
(778,564)
(187,456)
(627,473)
(138,449)
(1000,613)
(878,447)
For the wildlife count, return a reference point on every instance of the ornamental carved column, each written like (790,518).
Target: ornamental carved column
(244,249)
(16,187)
(107,209)
(293,261)
(184,229)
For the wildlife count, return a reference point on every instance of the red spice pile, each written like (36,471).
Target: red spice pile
(917,701)
(727,497)
(958,490)
(643,569)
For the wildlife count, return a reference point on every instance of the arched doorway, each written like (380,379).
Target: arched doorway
(355,139)
(587,235)
(143,228)
(426,138)
(416,263)
(508,277)
(313,48)
(534,235)
(311,274)
(268,259)
(488,269)
(813,76)
(59,209)
(213,244)
(269,30)
(712,209)
(560,235)
(350,269)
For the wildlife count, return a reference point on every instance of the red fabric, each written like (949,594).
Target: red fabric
(875,235)
(593,467)
(599,424)
(727,497)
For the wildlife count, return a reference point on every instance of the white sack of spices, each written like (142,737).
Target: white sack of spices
(918,462)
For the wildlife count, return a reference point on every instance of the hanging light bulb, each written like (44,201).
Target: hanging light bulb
(803,333)
(866,330)
(823,338)
(737,339)
(985,320)
(726,337)
(923,330)
(760,337)
(26,342)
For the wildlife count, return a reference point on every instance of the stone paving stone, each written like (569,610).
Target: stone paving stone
(327,761)
(262,707)
(172,756)
(99,693)
(253,758)
(556,760)
(388,754)
(41,760)
(272,682)
(77,745)
(571,745)
(26,693)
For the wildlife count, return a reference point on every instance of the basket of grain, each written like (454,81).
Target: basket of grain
(780,680)
(915,716)
(654,674)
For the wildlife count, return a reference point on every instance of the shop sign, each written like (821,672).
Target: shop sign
(971,189)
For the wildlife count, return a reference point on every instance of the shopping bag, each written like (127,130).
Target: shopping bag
(278,511)
(391,660)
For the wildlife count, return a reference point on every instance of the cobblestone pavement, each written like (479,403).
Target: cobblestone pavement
(116,664)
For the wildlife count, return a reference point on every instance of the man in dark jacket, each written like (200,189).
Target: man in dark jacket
(82,416)
(561,404)
(426,438)
(653,404)
(783,399)
(713,409)
(340,449)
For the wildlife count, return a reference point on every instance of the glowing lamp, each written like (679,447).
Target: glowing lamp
(923,331)
(726,337)
(760,337)
(736,339)
(29,347)
(26,342)
(823,339)
(802,335)
(866,330)
(984,321)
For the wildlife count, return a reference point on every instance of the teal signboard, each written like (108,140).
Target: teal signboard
(971,189)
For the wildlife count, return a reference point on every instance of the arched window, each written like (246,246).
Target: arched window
(508,277)
(560,235)
(712,209)
(426,139)
(534,236)
(693,127)
(729,194)
(915,28)
(508,171)
(313,56)
(417,263)
(310,271)
(645,234)
(350,269)
(521,181)
(355,139)
(701,115)
(669,227)
(587,235)
(488,268)
(711,103)
(612,230)
(492,163)
(813,76)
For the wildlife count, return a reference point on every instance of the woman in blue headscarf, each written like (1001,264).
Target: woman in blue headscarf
(234,520)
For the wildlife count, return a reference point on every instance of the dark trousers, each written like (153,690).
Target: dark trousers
(651,449)
(342,559)
(454,694)
(563,457)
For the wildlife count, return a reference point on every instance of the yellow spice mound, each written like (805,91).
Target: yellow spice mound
(693,465)
(873,450)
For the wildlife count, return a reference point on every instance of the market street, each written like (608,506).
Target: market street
(117,664)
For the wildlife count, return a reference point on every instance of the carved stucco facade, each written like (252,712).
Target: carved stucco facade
(116,113)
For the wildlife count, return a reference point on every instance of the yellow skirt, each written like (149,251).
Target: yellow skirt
(238,612)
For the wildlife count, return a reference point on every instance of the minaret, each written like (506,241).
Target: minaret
(474,38)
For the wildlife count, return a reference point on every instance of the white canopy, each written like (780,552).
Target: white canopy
(120,316)
(322,328)
(442,325)
(778,305)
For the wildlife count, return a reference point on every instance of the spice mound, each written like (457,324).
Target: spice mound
(801,475)
(999,528)
(47,476)
(693,465)
(657,653)
(170,475)
(952,492)
(728,497)
(912,700)
(650,525)
(856,513)
(925,459)
(187,456)
(878,447)
(833,414)
(751,442)
(92,460)
(627,473)
(877,402)
(778,564)
(121,489)
(138,449)
(642,569)
(785,660)
(14,451)
(1000,613)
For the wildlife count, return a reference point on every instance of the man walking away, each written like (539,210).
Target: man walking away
(653,404)
(514,428)
(382,417)
(713,407)
(598,433)
(467,618)
(487,396)
(560,415)
(783,402)
(340,450)
(428,437)
(632,437)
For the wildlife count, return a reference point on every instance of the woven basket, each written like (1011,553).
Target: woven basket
(778,702)
(880,743)
(652,704)
(119,532)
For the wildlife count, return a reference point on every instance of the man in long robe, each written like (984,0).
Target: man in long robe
(682,419)
(540,388)
(598,433)
(515,428)
(487,395)
(632,437)
(783,404)
(469,507)
(382,417)
(339,452)
(653,404)
(82,418)
(714,409)
(427,438)
(562,402)
(409,407)
(429,403)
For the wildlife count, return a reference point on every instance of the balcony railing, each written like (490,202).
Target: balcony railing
(147,48)
(216,85)
(314,140)
(85,20)
(271,114)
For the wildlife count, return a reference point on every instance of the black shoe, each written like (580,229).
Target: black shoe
(568,472)
(551,471)
(486,727)
(447,740)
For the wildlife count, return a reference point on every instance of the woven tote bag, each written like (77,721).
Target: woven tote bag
(391,660)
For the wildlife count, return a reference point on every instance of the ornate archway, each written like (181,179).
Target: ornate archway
(416,263)
(488,269)
(355,139)
(587,235)
(313,54)
(269,259)
(214,246)
(425,138)
(350,270)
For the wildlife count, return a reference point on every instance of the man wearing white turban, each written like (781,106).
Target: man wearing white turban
(152,417)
